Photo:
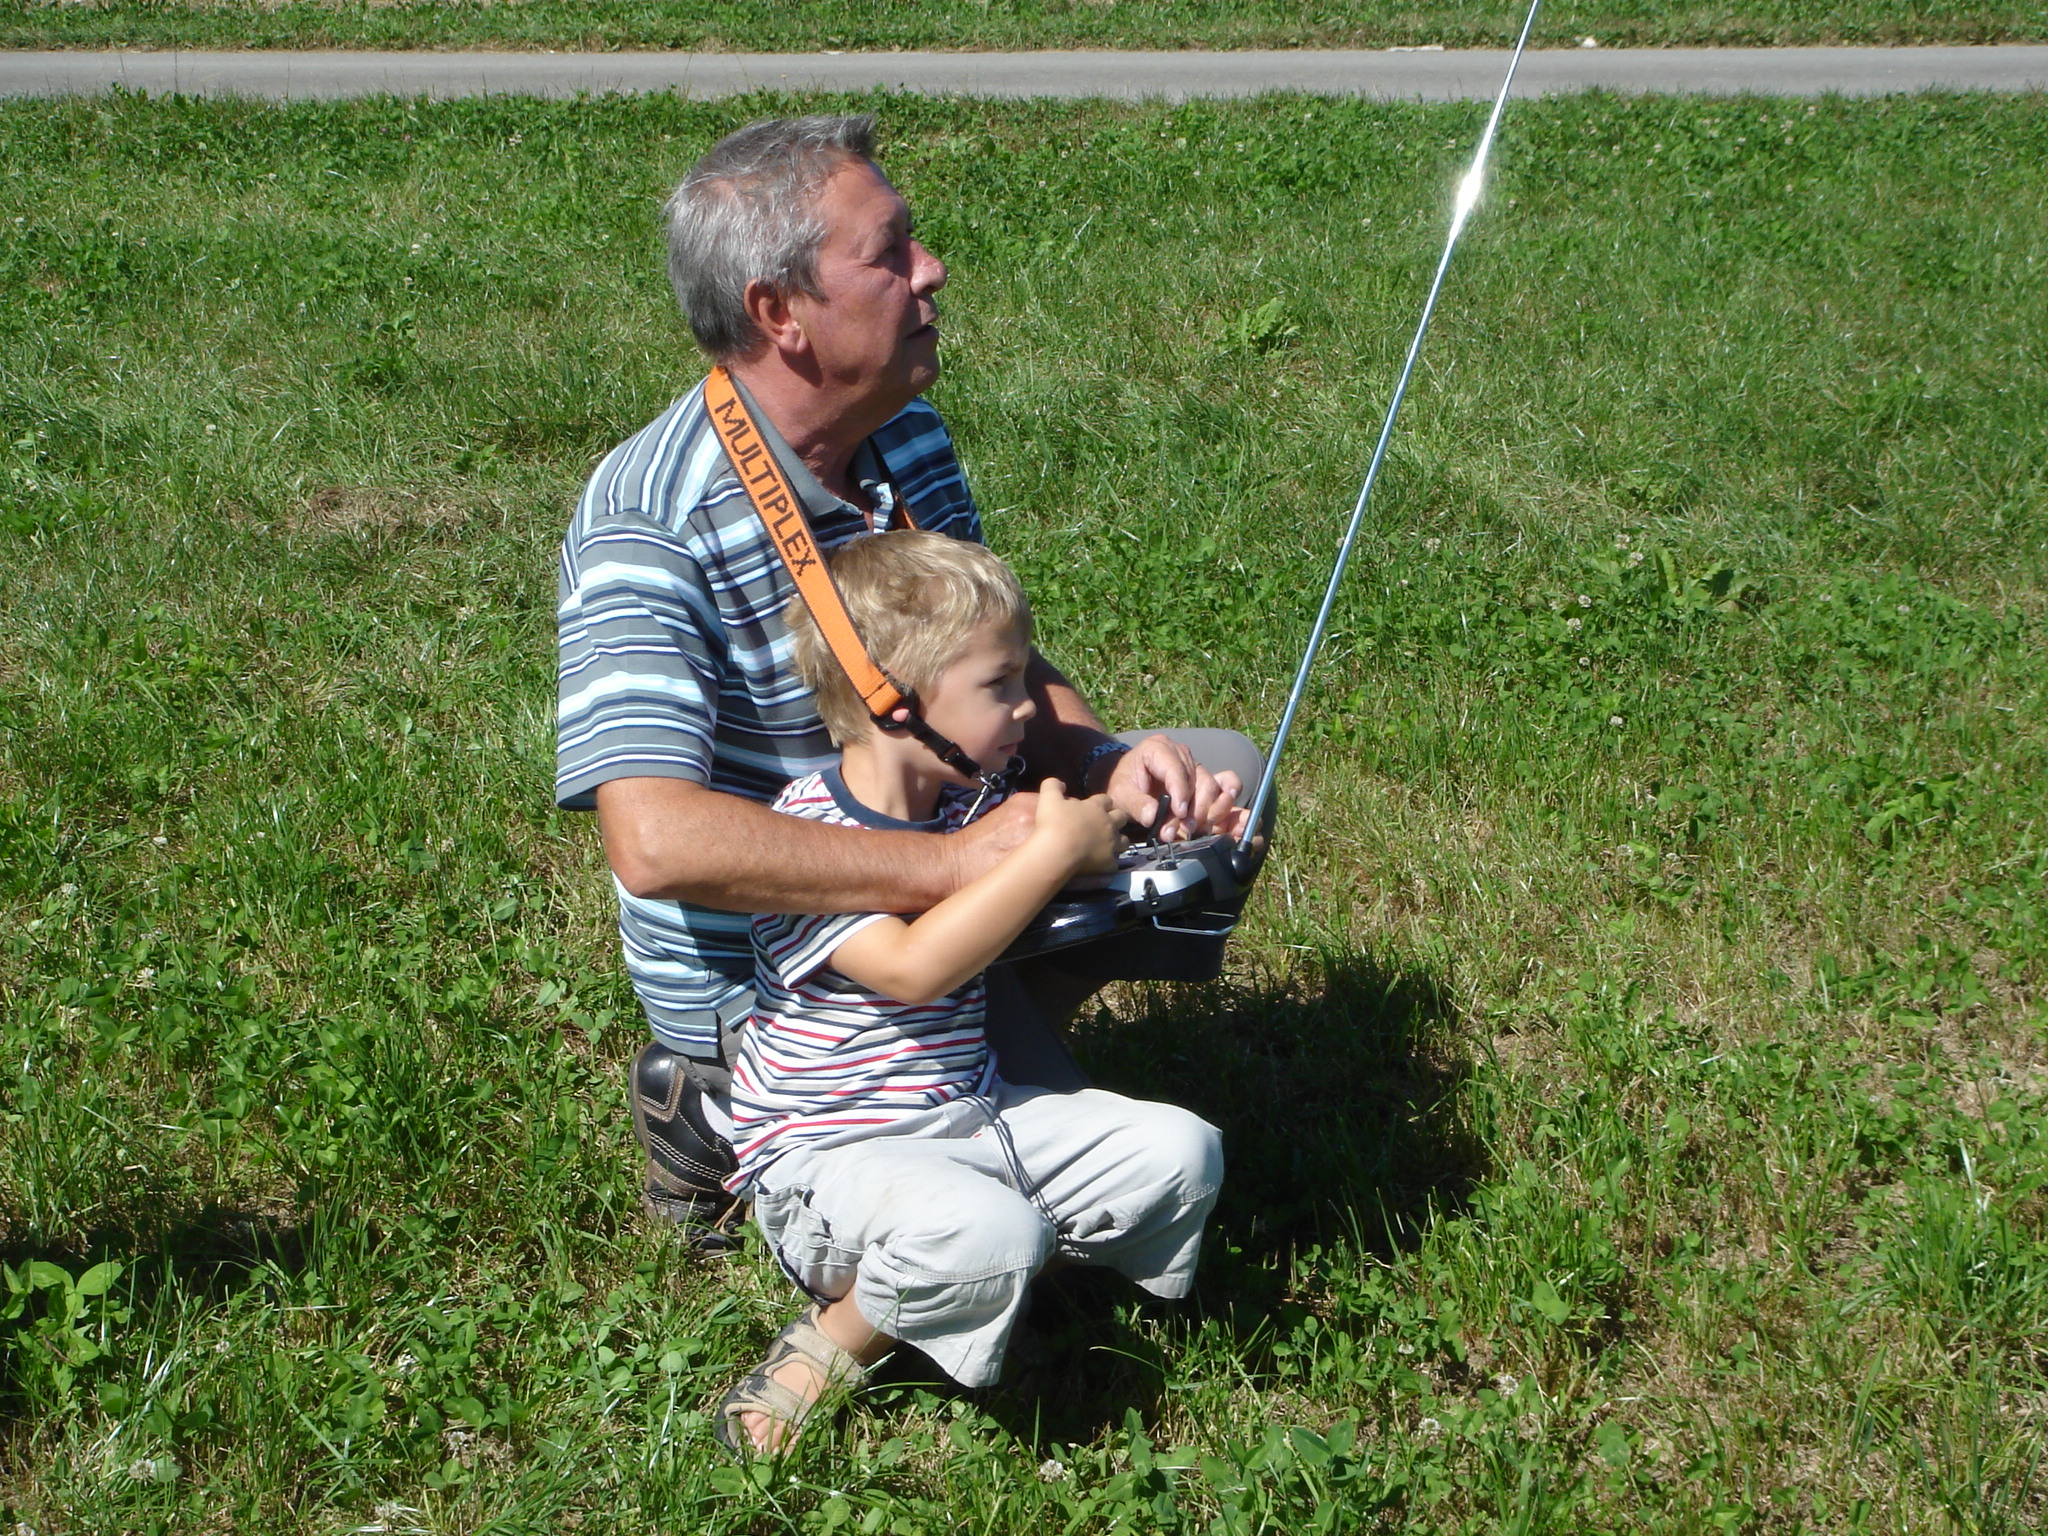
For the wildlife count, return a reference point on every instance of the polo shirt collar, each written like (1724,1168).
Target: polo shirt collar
(867,469)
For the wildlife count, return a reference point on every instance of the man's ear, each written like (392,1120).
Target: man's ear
(774,319)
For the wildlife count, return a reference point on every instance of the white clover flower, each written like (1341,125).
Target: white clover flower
(1585,601)
(1614,720)
(1575,623)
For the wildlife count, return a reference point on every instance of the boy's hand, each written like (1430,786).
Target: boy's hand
(1082,834)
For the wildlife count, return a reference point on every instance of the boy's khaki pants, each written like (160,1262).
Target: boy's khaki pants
(937,1227)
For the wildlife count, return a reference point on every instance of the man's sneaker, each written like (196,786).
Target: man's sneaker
(687,1161)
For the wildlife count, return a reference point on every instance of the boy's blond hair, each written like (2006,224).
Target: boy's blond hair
(915,600)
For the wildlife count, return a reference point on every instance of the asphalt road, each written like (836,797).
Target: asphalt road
(1417,74)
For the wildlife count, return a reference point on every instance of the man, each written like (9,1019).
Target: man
(797,268)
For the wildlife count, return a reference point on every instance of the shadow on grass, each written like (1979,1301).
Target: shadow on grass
(1339,1092)
(211,1253)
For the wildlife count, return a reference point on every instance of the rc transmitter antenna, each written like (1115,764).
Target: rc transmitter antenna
(1461,209)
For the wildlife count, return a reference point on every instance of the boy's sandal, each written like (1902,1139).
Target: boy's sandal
(760,1392)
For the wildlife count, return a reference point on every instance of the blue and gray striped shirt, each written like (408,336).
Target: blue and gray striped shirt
(674,659)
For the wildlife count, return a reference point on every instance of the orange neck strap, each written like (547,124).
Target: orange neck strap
(782,512)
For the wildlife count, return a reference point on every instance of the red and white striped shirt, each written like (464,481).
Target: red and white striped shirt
(823,1059)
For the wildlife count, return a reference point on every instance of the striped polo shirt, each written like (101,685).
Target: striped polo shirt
(824,1060)
(675,662)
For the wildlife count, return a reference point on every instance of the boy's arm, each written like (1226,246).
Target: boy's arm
(922,960)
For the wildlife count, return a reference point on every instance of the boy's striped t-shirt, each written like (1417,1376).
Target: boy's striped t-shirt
(823,1059)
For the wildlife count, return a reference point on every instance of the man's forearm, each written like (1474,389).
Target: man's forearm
(669,839)
(1065,729)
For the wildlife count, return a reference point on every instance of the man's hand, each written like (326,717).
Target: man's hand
(1159,785)
(981,845)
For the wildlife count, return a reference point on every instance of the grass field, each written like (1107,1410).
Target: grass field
(751,25)
(1632,1068)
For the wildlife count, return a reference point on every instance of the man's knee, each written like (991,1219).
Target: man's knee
(1217,750)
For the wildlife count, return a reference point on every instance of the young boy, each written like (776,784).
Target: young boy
(901,1182)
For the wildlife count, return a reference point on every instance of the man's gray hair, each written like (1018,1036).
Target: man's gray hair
(747,212)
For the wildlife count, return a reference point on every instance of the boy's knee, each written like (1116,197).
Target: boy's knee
(1179,1148)
(948,1240)
(1197,1149)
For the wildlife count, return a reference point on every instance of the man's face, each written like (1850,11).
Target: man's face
(876,328)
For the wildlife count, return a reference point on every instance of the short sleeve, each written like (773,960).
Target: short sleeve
(640,659)
(793,947)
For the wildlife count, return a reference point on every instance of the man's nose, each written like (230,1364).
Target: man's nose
(928,273)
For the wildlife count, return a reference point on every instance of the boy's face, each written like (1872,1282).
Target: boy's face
(980,702)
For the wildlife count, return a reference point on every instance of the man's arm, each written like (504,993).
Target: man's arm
(1059,737)
(1065,730)
(672,839)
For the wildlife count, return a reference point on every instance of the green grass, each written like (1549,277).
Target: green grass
(752,26)
(1632,1068)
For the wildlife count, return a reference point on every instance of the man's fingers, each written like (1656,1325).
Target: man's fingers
(1180,775)
(1156,767)
(1208,808)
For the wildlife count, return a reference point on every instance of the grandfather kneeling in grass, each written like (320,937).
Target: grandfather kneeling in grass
(682,716)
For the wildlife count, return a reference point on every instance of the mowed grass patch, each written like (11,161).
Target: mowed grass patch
(1631,1066)
(740,26)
